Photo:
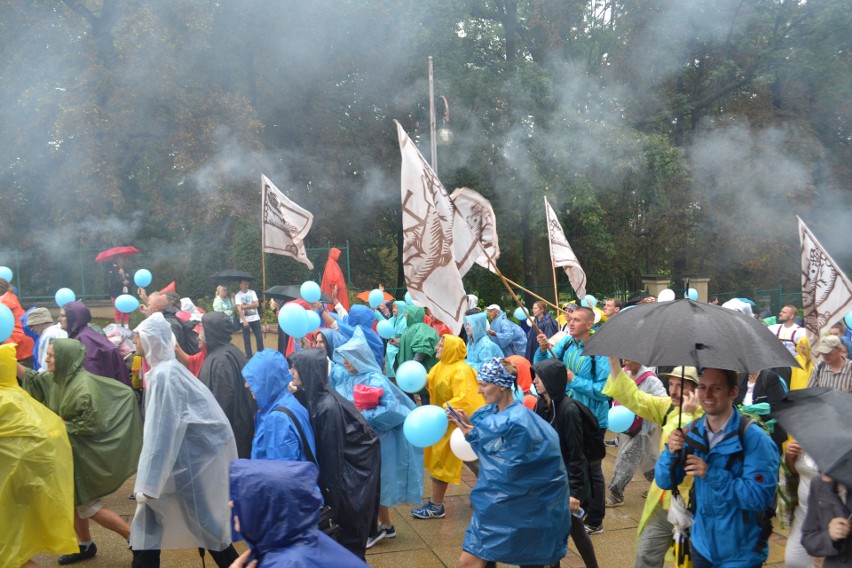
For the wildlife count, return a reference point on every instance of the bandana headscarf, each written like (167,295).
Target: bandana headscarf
(492,371)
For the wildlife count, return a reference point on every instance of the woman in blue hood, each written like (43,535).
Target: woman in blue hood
(275,434)
(329,340)
(480,348)
(363,317)
(402,463)
(279,520)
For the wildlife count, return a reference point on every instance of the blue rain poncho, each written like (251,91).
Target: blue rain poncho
(279,520)
(521,513)
(479,347)
(333,340)
(363,317)
(275,435)
(400,324)
(509,336)
(402,463)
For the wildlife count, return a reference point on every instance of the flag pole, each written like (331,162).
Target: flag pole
(531,293)
(555,289)
(550,247)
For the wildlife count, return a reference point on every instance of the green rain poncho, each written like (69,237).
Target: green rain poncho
(101,416)
(417,338)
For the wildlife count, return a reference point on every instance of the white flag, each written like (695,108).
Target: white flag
(826,291)
(431,273)
(474,231)
(284,224)
(561,254)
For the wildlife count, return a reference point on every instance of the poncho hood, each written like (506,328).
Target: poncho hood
(8,366)
(267,375)
(334,254)
(361,316)
(553,376)
(77,316)
(333,340)
(454,349)
(478,325)
(157,338)
(273,514)
(312,366)
(524,374)
(68,356)
(358,353)
(218,330)
(414,314)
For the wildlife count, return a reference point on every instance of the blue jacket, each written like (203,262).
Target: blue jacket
(547,325)
(402,463)
(585,387)
(520,504)
(479,347)
(510,337)
(728,499)
(279,519)
(275,436)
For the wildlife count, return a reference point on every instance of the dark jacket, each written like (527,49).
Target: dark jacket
(565,417)
(347,451)
(222,373)
(548,326)
(187,343)
(279,520)
(824,504)
(767,388)
(102,357)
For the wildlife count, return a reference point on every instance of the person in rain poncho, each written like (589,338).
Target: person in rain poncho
(361,316)
(417,342)
(275,435)
(400,324)
(329,340)
(279,520)
(102,356)
(507,335)
(669,412)
(37,488)
(333,281)
(105,430)
(453,382)
(480,348)
(402,463)
(182,482)
(22,342)
(521,511)
(348,452)
(222,374)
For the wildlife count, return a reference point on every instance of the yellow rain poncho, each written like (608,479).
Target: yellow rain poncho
(800,376)
(454,381)
(36,474)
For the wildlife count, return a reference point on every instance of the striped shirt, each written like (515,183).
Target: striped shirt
(823,376)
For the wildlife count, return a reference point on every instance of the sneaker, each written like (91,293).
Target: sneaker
(390,532)
(612,443)
(614,500)
(376,537)
(429,511)
(644,494)
(590,530)
(84,554)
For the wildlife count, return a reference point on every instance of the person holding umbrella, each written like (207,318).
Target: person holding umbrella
(735,466)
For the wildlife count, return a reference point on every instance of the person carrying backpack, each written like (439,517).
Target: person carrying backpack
(735,466)
(566,417)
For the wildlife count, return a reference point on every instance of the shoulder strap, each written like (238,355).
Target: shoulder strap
(305,446)
(641,378)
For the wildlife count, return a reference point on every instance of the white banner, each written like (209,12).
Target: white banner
(284,224)
(826,291)
(431,273)
(474,231)
(561,254)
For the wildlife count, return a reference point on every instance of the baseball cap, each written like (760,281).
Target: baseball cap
(689,373)
(827,344)
(493,307)
(38,316)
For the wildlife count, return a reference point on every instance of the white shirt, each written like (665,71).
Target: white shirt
(788,335)
(245,298)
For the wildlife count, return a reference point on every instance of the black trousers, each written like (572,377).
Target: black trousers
(151,558)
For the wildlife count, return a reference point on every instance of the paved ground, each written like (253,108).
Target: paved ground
(422,544)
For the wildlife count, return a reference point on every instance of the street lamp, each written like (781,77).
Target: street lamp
(444,135)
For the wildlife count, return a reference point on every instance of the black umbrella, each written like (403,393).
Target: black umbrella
(291,292)
(232,275)
(818,418)
(684,332)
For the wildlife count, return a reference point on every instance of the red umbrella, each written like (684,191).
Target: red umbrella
(109,254)
(365,296)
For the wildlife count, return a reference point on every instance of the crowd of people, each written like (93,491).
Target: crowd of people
(215,430)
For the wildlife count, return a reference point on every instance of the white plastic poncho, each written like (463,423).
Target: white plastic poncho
(188,445)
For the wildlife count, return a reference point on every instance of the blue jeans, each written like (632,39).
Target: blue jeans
(253,327)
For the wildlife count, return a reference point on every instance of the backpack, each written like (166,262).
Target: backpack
(593,436)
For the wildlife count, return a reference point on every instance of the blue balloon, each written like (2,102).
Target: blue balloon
(590,301)
(385,329)
(408,299)
(620,419)
(310,291)
(425,425)
(692,294)
(519,314)
(314,320)
(847,319)
(7,323)
(126,303)
(293,319)
(64,295)
(6,273)
(375,298)
(411,377)
(142,277)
